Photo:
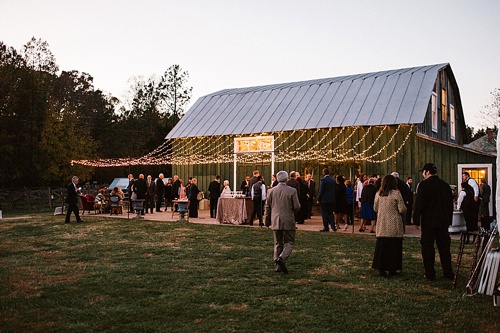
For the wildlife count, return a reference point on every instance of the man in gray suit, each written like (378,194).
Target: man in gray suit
(281,206)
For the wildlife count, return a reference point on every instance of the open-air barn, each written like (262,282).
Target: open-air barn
(374,123)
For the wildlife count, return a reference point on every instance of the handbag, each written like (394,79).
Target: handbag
(199,196)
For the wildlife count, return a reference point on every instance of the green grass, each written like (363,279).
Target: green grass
(118,275)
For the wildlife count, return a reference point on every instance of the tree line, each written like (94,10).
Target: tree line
(49,117)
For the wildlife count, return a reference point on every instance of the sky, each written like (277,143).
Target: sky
(231,43)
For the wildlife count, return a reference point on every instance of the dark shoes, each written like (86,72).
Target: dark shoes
(430,277)
(449,276)
(382,273)
(324,230)
(281,264)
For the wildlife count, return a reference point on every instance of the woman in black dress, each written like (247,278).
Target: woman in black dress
(193,198)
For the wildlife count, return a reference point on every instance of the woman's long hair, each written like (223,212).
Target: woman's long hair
(388,184)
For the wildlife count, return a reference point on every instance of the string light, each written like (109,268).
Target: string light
(219,149)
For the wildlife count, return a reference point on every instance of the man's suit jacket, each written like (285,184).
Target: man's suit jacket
(72,194)
(326,190)
(282,203)
(214,189)
(312,189)
(434,204)
(159,187)
(175,189)
(151,188)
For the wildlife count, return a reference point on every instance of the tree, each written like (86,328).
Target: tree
(61,141)
(176,95)
(491,112)
(38,56)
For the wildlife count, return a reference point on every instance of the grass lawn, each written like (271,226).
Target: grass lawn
(117,275)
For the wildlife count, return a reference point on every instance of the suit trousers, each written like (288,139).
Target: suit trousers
(283,243)
(213,207)
(159,201)
(327,215)
(73,208)
(442,238)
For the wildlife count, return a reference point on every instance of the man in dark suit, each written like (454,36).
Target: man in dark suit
(72,200)
(405,193)
(244,186)
(253,180)
(214,189)
(159,191)
(434,211)
(140,188)
(303,197)
(311,185)
(282,203)
(326,200)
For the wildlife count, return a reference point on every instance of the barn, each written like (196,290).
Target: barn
(375,123)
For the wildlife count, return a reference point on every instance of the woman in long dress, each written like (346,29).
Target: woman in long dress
(390,206)
(193,198)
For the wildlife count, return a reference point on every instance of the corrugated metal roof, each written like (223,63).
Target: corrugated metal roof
(381,98)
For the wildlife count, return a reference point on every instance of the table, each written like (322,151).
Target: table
(182,209)
(234,210)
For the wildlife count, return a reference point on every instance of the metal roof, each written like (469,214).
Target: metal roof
(398,96)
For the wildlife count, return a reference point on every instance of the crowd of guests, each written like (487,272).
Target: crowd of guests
(383,203)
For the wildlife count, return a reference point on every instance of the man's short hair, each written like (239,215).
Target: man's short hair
(217,177)
(256,173)
(326,171)
(292,174)
(466,173)
(395,174)
(282,176)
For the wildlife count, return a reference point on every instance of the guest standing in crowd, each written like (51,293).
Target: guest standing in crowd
(168,193)
(303,198)
(367,201)
(409,207)
(72,200)
(140,189)
(326,200)
(465,202)
(390,207)
(258,192)
(160,188)
(244,186)
(175,190)
(405,193)
(340,209)
(434,212)
(349,196)
(193,198)
(131,181)
(311,185)
(214,193)
(274,181)
(484,195)
(226,191)
(150,194)
(281,206)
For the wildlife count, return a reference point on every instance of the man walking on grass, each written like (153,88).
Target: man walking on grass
(282,204)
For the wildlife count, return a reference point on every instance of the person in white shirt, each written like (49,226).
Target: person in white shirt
(226,191)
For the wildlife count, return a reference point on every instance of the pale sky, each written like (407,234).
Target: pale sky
(232,44)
